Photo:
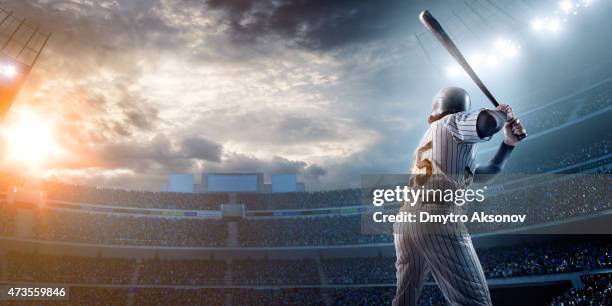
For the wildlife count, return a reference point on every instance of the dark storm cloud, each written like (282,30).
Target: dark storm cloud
(235,162)
(138,112)
(315,171)
(316,24)
(156,157)
(201,148)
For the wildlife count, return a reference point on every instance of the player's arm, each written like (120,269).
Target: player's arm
(475,126)
(491,124)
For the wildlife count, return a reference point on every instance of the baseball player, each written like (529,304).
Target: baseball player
(447,152)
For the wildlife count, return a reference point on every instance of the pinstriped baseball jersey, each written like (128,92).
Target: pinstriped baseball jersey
(448,149)
(448,152)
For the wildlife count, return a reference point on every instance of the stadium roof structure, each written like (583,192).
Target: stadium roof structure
(21,44)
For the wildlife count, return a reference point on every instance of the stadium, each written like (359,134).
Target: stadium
(234,239)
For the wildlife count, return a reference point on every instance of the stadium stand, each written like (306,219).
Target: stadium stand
(128,230)
(597,290)
(320,199)
(275,272)
(325,230)
(558,199)
(573,106)
(68,269)
(578,154)
(430,296)
(537,258)
(131,198)
(366,270)
(181,272)
(301,296)
(168,296)
(546,258)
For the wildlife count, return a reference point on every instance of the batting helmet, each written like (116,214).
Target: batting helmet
(450,100)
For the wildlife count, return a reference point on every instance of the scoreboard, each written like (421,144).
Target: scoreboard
(232,182)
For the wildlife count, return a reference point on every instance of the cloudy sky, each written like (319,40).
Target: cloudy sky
(134,90)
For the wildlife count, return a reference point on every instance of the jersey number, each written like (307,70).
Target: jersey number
(424,167)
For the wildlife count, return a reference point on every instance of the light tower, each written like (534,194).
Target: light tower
(20,46)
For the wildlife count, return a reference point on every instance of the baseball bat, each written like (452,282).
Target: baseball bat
(436,28)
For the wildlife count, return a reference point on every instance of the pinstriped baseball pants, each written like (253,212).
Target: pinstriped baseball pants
(447,251)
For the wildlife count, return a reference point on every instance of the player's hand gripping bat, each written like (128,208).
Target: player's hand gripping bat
(434,26)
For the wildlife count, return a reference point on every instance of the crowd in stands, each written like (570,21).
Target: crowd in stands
(535,258)
(125,229)
(550,117)
(360,270)
(597,101)
(301,296)
(168,296)
(181,272)
(324,230)
(551,161)
(68,269)
(560,112)
(275,272)
(559,198)
(597,290)
(502,262)
(293,200)
(546,258)
(133,198)
(430,296)
(581,154)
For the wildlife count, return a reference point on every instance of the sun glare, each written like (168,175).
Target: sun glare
(29,139)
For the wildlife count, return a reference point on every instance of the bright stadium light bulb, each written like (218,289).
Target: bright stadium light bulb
(566,5)
(452,71)
(553,25)
(501,44)
(537,25)
(8,70)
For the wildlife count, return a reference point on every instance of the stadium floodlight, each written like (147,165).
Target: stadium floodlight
(537,25)
(501,44)
(8,70)
(453,70)
(566,5)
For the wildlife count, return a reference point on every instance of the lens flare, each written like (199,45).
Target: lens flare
(29,139)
